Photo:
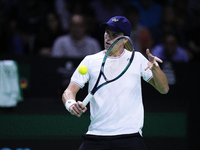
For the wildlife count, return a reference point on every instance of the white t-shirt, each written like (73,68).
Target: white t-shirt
(117,107)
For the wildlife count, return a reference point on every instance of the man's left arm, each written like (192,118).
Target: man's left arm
(159,80)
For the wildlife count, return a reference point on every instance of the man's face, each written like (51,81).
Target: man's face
(77,27)
(170,45)
(110,36)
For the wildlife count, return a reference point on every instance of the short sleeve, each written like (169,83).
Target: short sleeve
(146,75)
(78,78)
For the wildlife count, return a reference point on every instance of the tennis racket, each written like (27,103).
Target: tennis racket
(113,69)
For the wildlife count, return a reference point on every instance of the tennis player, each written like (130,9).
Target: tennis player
(116,110)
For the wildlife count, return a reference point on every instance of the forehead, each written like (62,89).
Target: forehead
(112,33)
(170,38)
(77,19)
(108,29)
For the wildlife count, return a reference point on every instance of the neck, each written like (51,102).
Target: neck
(77,38)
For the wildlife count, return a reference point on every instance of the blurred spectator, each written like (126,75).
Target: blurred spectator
(26,18)
(167,24)
(172,21)
(76,44)
(150,12)
(193,39)
(49,31)
(103,10)
(140,35)
(182,24)
(182,27)
(64,9)
(188,24)
(193,36)
(5,8)
(194,13)
(106,9)
(93,27)
(170,50)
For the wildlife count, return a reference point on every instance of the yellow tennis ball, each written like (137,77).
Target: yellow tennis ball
(82,69)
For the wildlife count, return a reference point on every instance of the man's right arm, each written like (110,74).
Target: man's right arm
(69,97)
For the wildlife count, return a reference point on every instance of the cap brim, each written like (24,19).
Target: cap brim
(104,24)
(113,27)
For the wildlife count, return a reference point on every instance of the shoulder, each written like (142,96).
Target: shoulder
(181,54)
(62,38)
(181,50)
(90,39)
(92,43)
(139,58)
(93,57)
(157,49)
(138,54)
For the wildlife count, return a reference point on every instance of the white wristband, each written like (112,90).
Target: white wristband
(69,103)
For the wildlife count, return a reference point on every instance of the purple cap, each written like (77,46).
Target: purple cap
(119,24)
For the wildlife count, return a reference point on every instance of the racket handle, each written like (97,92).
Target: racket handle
(87,99)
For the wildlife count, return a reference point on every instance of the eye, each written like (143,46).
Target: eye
(107,31)
(114,35)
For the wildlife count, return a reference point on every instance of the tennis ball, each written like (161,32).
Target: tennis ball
(82,69)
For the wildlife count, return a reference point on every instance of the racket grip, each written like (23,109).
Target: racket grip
(87,99)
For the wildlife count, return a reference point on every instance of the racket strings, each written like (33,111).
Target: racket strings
(115,48)
(114,67)
(128,46)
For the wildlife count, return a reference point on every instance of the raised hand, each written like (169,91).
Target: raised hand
(153,60)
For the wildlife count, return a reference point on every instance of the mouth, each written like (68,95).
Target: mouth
(108,44)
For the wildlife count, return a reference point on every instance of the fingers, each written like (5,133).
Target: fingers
(150,65)
(154,57)
(82,106)
(153,61)
(148,52)
(158,59)
(77,109)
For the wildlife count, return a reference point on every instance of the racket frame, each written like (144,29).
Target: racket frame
(96,87)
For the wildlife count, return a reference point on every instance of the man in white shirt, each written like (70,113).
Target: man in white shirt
(76,44)
(116,110)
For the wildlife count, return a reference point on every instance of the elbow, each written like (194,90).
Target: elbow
(64,97)
(165,90)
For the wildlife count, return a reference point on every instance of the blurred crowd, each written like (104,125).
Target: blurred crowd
(70,28)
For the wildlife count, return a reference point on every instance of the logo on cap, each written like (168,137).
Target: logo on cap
(119,24)
(115,20)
